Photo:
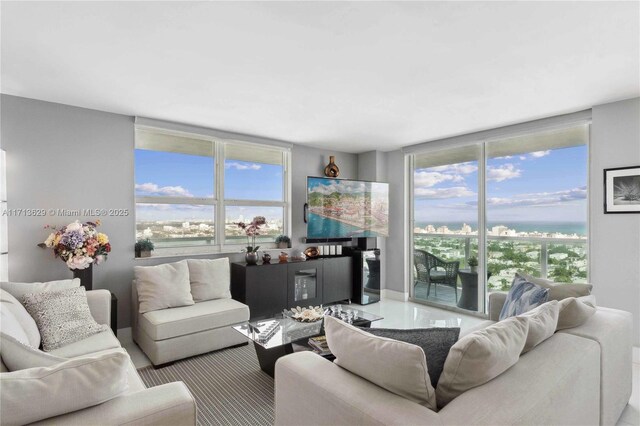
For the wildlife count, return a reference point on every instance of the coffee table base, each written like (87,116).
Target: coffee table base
(268,357)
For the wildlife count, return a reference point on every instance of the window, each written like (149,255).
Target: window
(191,190)
(515,204)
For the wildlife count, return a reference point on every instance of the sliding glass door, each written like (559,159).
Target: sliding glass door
(516,204)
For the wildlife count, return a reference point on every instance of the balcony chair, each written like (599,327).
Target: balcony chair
(433,270)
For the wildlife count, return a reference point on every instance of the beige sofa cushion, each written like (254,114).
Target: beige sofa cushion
(168,323)
(210,279)
(398,367)
(27,323)
(18,290)
(542,324)
(481,356)
(39,393)
(18,356)
(573,312)
(90,345)
(163,286)
(559,291)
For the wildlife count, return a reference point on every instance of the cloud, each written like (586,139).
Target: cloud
(167,191)
(540,154)
(503,172)
(443,193)
(540,198)
(429,179)
(460,168)
(522,157)
(241,166)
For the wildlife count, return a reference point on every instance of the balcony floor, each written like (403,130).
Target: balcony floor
(446,295)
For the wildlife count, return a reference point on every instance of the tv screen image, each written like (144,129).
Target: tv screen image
(344,208)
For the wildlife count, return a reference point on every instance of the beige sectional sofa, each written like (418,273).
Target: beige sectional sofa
(169,404)
(579,376)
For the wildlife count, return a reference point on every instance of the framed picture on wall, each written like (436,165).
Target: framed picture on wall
(622,190)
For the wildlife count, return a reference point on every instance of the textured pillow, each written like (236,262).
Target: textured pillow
(39,393)
(18,290)
(398,367)
(163,286)
(435,342)
(18,356)
(10,303)
(559,291)
(573,313)
(543,321)
(481,356)
(523,296)
(209,278)
(63,317)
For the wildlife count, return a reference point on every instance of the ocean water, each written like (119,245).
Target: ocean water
(322,227)
(579,228)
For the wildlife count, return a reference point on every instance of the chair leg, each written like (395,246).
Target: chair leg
(456,287)
(428,288)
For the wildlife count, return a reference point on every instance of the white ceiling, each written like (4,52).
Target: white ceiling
(346,76)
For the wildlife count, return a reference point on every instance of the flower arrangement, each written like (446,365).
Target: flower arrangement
(252,230)
(78,244)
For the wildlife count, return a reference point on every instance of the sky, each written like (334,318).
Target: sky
(170,174)
(543,186)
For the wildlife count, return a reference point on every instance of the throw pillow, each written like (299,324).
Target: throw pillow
(7,301)
(39,393)
(18,356)
(209,278)
(522,297)
(10,325)
(481,356)
(559,291)
(543,321)
(573,313)
(398,367)
(18,290)
(435,342)
(63,317)
(163,286)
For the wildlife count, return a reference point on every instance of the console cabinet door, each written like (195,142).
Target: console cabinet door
(305,283)
(263,288)
(338,277)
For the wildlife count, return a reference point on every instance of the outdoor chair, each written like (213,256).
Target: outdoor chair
(433,270)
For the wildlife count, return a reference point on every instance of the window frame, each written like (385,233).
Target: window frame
(218,200)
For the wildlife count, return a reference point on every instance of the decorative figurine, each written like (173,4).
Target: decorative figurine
(332,169)
(283,258)
(266,258)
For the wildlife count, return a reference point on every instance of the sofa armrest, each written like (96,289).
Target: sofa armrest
(100,305)
(311,390)
(169,404)
(496,302)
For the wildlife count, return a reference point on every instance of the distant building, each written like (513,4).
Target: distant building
(466,229)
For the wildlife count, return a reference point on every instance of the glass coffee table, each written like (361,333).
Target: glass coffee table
(275,337)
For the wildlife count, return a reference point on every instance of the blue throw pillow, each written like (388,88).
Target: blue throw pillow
(523,296)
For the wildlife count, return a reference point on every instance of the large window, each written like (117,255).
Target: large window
(512,204)
(192,190)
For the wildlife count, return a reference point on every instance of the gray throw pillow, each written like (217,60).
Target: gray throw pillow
(63,317)
(435,342)
(523,296)
(559,291)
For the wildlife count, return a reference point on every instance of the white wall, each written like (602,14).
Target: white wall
(60,156)
(395,275)
(615,238)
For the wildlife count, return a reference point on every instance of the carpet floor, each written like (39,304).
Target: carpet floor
(228,386)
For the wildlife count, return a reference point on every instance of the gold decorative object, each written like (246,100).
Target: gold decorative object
(311,252)
(332,169)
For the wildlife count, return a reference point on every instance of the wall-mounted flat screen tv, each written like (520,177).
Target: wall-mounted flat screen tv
(344,208)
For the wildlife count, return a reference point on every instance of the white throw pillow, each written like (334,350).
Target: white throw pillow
(559,291)
(7,301)
(18,290)
(39,393)
(481,356)
(573,313)
(209,278)
(63,317)
(163,286)
(10,325)
(543,321)
(396,366)
(18,356)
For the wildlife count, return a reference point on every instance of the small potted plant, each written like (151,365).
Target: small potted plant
(473,263)
(144,247)
(282,241)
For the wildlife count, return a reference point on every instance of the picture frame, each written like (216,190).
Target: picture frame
(622,190)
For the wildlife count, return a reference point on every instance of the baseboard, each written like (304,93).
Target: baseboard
(636,354)
(394,295)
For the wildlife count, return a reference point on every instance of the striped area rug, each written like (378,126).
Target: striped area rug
(228,386)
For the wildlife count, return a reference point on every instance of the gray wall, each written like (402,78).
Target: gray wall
(60,156)
(615,238)
(397,213)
